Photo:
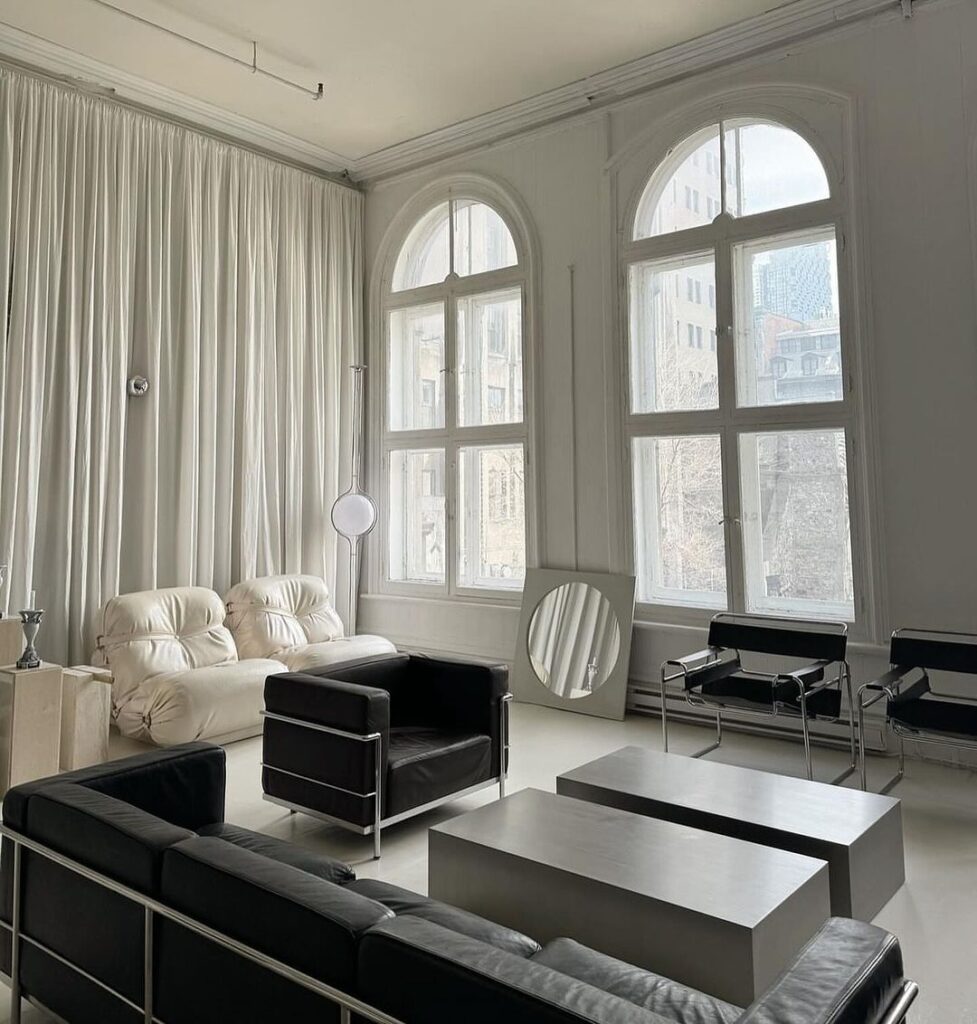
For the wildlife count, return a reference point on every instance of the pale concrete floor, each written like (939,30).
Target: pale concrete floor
(934,915)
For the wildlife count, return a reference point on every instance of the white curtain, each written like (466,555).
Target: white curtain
(233,283)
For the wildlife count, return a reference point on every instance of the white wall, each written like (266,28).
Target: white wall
(911,92)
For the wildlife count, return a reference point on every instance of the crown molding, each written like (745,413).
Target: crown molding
(96,76)
(789,24)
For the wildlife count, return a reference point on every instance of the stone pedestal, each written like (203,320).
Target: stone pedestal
(11,640)
(30,724)
(86,710)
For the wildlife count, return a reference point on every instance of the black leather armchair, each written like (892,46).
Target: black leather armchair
(717,677)
(370,744)
(913,709)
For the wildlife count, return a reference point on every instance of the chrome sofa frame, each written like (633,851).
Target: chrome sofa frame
(347,1004)
(888,686)
(715,656)
(376,794)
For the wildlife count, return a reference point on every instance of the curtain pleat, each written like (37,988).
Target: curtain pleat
(129,245)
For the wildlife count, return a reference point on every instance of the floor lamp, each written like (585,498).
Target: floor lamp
(354,512)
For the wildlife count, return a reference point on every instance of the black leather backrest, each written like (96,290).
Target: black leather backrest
(89,925)
(305,921)
(183,785)
(418,971)
(764,638)
(954,653)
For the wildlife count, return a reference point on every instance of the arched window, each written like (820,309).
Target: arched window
(454,428)
(740,451)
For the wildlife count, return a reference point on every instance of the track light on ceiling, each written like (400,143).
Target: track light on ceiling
(251,66)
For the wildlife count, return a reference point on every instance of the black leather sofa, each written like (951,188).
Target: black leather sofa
(154,825)
(372,743)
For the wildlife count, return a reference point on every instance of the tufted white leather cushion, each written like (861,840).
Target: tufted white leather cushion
(154,632)
(276,613)
(336,652)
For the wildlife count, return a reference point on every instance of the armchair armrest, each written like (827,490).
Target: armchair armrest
(345,707)
(887,685)
(850,973)
(706,654)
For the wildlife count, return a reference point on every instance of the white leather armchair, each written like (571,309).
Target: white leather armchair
(291,619)
(176,674)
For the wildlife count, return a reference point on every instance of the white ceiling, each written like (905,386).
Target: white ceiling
(393,69)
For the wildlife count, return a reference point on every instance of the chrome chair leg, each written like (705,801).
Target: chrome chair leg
(805,728)
(377,796)
(719,738)
(664,698)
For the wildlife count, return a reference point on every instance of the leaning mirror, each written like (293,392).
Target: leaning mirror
(574,641)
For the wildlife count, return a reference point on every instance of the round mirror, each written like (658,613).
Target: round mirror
(574,640)
(354,514)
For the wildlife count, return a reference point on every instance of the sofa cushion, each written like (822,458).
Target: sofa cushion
(416,970)
(153,632)
(643,988)
(337,652)
(278,909)
(405,903)
(213,702)
(277,613)
(317,864)
(425,764)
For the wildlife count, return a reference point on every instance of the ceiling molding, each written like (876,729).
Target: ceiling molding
(34,51)
(797,21)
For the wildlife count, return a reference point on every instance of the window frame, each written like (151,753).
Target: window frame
(452,437)
(729,421)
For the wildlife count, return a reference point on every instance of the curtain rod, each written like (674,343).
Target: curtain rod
(214,51)
(108,94)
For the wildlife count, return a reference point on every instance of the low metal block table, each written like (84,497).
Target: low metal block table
(718,914)
(858,834)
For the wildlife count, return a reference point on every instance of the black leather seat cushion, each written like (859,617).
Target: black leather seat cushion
(651,991)
(317,864)
(753,692)
(930,714)
(418,971)
(425,764)
(405,903)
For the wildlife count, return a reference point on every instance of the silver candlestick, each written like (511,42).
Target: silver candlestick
(31,621)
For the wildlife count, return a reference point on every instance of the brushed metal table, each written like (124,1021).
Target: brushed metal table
(858,834)
(721,915)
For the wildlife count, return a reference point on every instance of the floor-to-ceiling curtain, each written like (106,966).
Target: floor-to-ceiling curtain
(129,245)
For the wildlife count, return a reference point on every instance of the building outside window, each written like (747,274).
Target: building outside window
(740,451)
(454,428)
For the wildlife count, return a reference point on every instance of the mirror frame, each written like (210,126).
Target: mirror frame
(609,699)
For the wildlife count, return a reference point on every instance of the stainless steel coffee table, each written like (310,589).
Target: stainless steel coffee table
(858,834)
(719,914)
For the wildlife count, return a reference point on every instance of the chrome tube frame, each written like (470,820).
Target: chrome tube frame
(714,656)
(151,910)
(379,822)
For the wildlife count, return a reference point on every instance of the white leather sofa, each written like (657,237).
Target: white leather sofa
(291,619)
(176,673)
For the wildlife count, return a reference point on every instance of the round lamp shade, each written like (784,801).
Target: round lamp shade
(354,514)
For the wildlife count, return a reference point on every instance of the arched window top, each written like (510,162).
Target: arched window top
(742,167)
(460,236)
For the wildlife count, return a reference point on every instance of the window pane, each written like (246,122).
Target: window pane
(685,191)
(415,383)
(424,258)
(788,333)
(680,550)
(769,167)
(416,518)
(482,240)
(490,358)
(797,543)
(492,517)
(673,335)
